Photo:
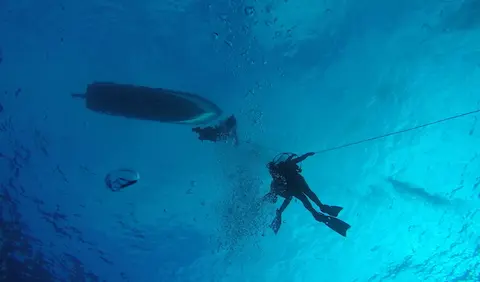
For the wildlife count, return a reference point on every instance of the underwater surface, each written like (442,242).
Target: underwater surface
(299,76)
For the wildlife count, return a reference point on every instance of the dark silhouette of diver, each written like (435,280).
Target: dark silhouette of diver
(225,130)
(287,183)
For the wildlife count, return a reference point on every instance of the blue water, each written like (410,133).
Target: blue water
(299,76)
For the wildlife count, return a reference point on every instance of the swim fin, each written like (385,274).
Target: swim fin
(331,210)
(276,223)
(337,225)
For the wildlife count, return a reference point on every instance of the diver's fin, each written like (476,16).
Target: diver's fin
(337,225)
(331,210)
(276,223)
(78,96)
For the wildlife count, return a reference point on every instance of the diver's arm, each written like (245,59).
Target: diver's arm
(284,205)
(302,157)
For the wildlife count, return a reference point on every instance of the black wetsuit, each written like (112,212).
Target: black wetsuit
(288,183)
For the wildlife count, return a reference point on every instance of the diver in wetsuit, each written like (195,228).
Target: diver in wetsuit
(287,183)
(222,132)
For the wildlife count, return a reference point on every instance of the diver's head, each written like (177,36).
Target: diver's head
(272,168)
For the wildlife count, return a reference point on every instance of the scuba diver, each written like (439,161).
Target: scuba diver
(287,183)
(225,130)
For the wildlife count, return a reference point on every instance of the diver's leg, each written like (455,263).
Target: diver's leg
(334,223)
(310,194)
(330,210)
(306,203)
